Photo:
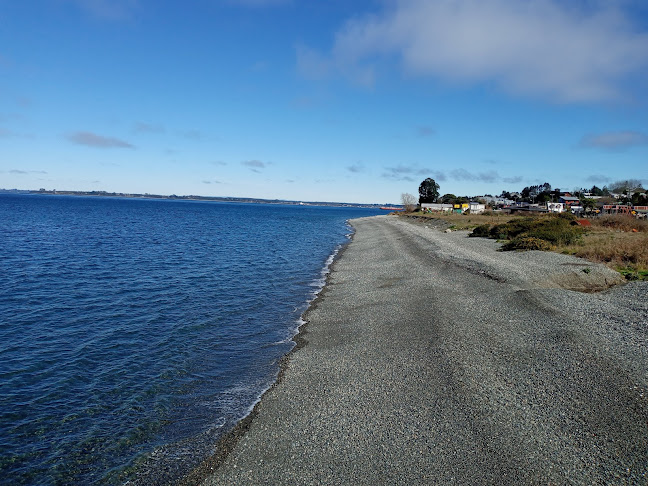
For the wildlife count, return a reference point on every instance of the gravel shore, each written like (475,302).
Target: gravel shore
(431,358)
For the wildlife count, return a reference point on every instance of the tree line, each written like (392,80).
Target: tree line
(631,191)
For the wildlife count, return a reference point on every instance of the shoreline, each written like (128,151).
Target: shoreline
(229,440)
(434,358)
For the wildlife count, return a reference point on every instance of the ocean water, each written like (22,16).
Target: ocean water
(134,333)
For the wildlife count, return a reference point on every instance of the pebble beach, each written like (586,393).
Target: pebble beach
(432,358)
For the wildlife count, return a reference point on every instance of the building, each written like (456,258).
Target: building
(436,208)
(460,208)
(553,207)
(476,208)
(569,200)
(616,209)
(497,201)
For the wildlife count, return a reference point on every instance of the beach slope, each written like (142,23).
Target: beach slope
(431,358)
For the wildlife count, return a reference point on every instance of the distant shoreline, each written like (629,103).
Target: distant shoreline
(173,197)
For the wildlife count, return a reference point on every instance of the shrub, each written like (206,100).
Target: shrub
(526,243)
(555,230)
(481,231)
(558,231)
(513,228)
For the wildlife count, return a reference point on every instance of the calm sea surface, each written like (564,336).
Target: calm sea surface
(134,333)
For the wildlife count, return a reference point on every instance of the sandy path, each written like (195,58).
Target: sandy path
(433,359)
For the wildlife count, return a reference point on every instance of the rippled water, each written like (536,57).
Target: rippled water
(144,329)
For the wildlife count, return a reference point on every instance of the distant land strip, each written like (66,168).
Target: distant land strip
(196,198)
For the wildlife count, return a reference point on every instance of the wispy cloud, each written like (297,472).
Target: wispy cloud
(93,140)
(413,174)
(312,64)
(464,175)
(23,101)
(258,3)
(141,127)
(562,51)
(425,131)
(512,180)
(614,140)
(212,181)
(406,173)
(597,179)
(259,66)
(6,133)
(192,134)
(109,9)
(254,165)
(24,172)
(357,168)
(217,162)
(304,102)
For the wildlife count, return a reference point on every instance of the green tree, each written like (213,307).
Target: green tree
(596,191)
(588,204)
(448,198)
(639,199)
(428,191)
(544,196)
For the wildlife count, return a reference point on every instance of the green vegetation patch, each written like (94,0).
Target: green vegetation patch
(633,274)
(534,233)
(527,243)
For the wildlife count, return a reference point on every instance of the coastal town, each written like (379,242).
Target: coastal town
(626,198)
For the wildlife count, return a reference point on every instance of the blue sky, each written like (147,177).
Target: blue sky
(336,100)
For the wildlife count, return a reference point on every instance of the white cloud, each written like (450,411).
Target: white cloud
(562,51)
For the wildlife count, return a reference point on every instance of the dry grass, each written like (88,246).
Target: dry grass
(610,240)
(624,251)
(467,221)
(621,223)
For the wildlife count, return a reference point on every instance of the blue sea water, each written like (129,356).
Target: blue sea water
(135,332)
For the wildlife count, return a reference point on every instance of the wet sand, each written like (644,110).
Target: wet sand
(431,358)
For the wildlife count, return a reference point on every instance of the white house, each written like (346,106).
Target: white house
(553,207)
(477,208)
